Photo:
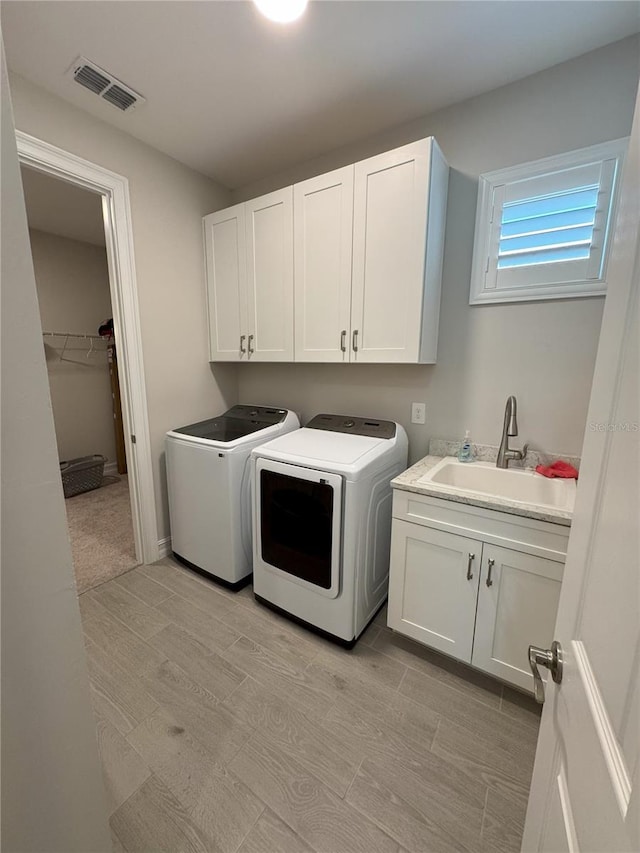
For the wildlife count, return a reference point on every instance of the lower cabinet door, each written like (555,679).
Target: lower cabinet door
(517,606)
(433,587)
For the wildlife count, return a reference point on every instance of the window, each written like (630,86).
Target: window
(542,228)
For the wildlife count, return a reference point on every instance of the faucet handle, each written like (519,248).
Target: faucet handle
(524,451)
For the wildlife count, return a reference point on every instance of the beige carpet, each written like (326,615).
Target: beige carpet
(101,533)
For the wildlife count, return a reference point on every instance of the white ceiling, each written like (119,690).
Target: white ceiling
(238,98)
(61,208)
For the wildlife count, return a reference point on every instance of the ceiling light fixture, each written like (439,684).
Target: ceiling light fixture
(281,11)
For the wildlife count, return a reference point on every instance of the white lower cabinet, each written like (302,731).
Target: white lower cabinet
(461,594)
(517,606)
(433,593)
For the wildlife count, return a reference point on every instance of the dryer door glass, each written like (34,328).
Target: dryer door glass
(296,526)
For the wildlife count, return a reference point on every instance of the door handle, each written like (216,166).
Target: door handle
(354,341)
(490,564)
(552,659)
(469,572)
(343,340)
(242,346)
(251,350)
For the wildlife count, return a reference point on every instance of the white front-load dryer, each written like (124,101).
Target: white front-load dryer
(322,521)
(208,480)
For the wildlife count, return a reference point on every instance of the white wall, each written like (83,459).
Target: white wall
(72,282)
(168,201)
(52,792)
(543,352)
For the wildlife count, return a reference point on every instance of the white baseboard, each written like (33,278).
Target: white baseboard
(164,547)
(110,469)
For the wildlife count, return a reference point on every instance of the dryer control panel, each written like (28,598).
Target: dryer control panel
(356,426)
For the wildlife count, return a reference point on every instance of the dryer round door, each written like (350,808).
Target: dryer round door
(299,524)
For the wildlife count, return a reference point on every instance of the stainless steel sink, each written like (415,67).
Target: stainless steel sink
(514,484)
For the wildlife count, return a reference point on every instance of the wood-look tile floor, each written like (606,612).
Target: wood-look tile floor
(224,727)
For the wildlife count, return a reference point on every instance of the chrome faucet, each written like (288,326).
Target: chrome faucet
(510,428)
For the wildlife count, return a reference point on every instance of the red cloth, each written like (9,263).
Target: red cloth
(558,469)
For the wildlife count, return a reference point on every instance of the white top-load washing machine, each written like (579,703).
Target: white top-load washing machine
(322,521)
(208,478)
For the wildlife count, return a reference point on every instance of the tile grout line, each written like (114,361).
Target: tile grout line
(132,794)
(237,687)
(404,675)
(253,825)
(484,813)
(119,619)
(443,681)
(355,775)
(141,600)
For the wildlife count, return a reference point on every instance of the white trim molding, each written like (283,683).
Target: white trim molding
(164,547)
(116,208)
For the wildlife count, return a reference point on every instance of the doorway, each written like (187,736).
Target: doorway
(112,192)
(68,248)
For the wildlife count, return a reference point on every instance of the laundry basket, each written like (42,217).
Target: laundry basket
(82,474)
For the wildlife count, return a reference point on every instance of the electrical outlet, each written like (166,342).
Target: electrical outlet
(418,413)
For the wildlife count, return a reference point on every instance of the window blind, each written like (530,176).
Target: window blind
(548,229)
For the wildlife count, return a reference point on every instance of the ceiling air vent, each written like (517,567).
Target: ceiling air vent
(101,83)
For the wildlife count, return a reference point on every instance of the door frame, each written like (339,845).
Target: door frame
(116,211)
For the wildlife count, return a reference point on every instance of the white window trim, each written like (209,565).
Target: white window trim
(491,182)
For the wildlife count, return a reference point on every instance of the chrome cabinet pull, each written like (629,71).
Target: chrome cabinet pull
(242,346)
(469,572)
(491,564)
(552,659)
(354,342)
(343,340)
(251,350)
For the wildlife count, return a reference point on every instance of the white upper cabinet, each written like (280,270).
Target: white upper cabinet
(249,263)
(400,200)
(322,229)
(226,266)
(361,248)
(269,224)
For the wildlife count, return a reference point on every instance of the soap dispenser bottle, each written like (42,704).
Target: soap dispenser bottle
(466,454)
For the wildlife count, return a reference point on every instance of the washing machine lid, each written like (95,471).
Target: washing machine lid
(238,422)
(323,449)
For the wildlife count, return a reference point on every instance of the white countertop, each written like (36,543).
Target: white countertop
(408,482)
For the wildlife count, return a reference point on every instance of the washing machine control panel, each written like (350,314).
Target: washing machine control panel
(356,426)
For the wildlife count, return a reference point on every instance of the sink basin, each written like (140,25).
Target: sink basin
(520,485)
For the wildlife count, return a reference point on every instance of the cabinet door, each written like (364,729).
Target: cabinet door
(433,587)
(270,276)
(226,271)
(389,237)
(517,606)
(323,239)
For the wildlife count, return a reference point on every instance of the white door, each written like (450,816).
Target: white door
(391,197)
(270,276)
(298,527)
(226,270)
(323,239)
(517,605)
(585,793)
(433,587)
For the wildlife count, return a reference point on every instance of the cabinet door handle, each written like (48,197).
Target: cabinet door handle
(469,572)
(251,350)
(354,342)
(490,564)
(343,340)
(242,346)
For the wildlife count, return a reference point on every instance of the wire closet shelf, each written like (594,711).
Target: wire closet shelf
(90,339)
